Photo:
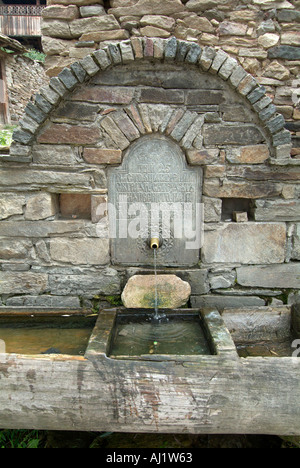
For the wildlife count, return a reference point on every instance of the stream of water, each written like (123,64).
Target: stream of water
(156,314)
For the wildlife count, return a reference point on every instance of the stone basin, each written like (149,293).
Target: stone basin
(213,390)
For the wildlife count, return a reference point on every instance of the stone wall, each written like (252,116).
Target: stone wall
(24,77)
(54,252)
(263,35)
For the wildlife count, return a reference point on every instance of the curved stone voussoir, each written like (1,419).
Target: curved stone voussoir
(139,120)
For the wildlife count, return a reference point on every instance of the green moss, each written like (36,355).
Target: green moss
(114,300)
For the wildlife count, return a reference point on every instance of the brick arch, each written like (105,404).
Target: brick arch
(210,60)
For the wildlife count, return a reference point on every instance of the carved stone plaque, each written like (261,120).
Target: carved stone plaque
(155,194)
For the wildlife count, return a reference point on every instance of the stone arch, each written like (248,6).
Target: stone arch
(127,123)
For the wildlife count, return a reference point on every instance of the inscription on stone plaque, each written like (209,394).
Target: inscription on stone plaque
(155,194)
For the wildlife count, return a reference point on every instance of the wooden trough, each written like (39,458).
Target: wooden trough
(248,384)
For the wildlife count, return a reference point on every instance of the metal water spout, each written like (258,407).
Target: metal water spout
(154,243)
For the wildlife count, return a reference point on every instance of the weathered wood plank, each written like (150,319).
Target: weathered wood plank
(214,395)
(204,395)
(40,312)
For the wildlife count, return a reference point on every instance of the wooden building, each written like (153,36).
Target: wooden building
(21,19)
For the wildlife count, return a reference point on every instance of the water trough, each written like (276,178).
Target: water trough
(216,391)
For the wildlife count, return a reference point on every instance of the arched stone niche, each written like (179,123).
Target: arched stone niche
(206,81)
(202,101)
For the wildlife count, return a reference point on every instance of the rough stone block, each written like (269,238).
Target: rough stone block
(138,47)
(59,87)
(227,68)
(193,54)
(28,124)
(240,216)
(276,123)
(45,229)
(222,302)
(23,283)
(35,113)
(286,52)
(212,209)
(247,85)
(207,57)
(277,210)
(163,22)
(126,51)
(203,157)
(267,112)
(11,204)
(196,97)
(46,301)
(218,61)
(282,138)
(152,31)
(41,206)
(171,49)
(183,125)
(92,10)
(67,13)
(57,155)
(69,112)
(241,189)
(149,43)
(115,54)
(256,94)
(105,282)
(82,26)
(101,36)
(102,58)
(56,28)
(34,180)
(102,156)
(182,50)
(232,135)
(202,5)
(198,280)
(80,251)
(126,125)
(99,208)
(13,249)
(285,276)
(162,96)
(237,76)
(89,65)
(114,132)
(262,103)
(193,133)
(133,113)
(22,136)
(116,95)
(148,7)
(69,134)
(296,243)
(140,292)
(68,79)
(249,243)
(257,154)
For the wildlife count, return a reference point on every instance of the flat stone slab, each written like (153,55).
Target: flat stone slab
(139,292)
(246,243)
(275,276)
